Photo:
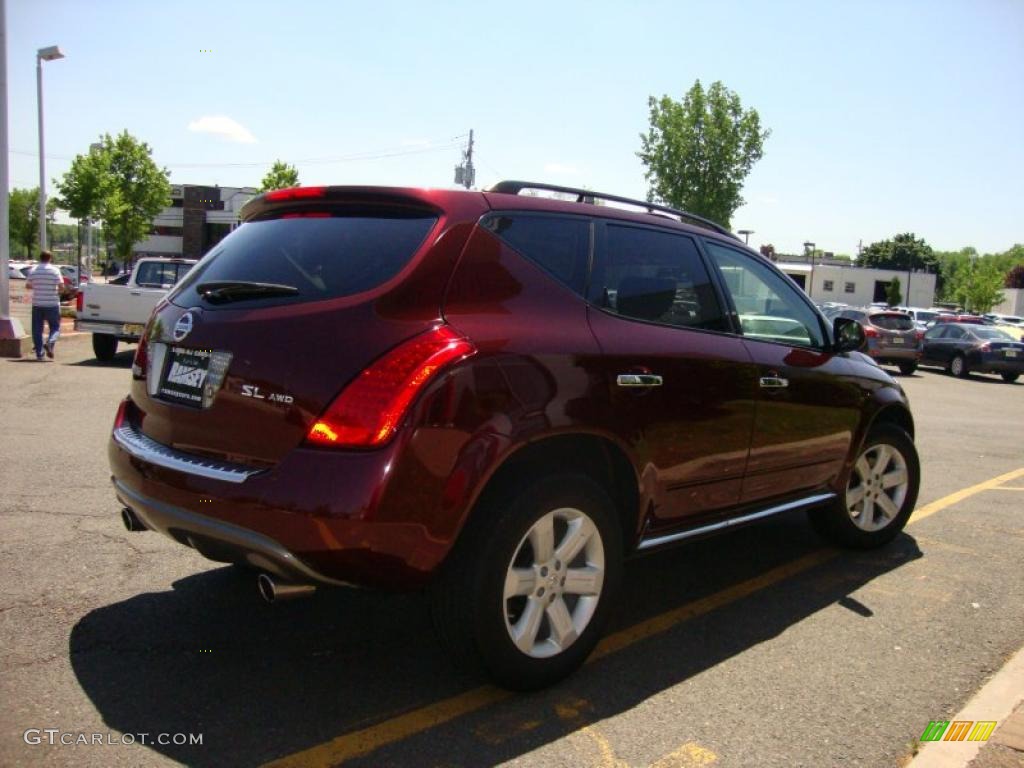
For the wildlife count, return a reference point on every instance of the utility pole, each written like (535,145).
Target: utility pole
(11,332)
(465,174)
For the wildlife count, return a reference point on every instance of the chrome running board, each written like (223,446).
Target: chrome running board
(671,538)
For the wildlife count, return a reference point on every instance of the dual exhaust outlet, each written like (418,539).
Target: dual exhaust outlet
(270,589)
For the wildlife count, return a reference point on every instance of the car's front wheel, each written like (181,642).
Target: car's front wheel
(529,587)
(881,491)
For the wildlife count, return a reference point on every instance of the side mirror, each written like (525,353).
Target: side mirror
(849,334)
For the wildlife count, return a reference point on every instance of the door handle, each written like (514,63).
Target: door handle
(774,382)
(638,380)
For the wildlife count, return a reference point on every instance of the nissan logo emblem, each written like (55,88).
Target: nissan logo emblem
(183,327)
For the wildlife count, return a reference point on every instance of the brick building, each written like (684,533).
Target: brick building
(197,219)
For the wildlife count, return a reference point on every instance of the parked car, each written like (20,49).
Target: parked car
(963,348)
(71,273)
(114,313)
(997,319)
(921,317)
(892,337)
(498,397)
(969,319)
(16,270)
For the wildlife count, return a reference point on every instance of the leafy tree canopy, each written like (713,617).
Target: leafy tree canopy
(699,151)
(902,252)
(280,176)
(893,295)
(120,185)
(23,214)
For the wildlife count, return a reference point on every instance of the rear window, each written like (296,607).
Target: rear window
(893,322)
(321,258)
(993,334)
(160,274)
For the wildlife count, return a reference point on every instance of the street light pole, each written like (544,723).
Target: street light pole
(50,53)
(746,235)
(810,246)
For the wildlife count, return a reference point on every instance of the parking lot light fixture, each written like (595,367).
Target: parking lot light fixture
(746,235)
(50,53)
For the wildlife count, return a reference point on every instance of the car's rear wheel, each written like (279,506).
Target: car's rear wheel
(529,587)
(1009,378)
(104,346)
(907,368)
(880,494)
(958,367)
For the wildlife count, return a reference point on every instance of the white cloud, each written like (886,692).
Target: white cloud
(562,170)
(223,126)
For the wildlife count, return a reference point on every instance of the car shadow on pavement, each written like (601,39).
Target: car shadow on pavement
(263,682)
(120,360)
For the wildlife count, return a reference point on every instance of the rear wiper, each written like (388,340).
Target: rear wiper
(239,290)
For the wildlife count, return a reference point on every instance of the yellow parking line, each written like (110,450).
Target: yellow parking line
(367,740)
(930,509)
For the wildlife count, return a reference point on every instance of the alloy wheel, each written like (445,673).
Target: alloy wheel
(877,488)
(553,583)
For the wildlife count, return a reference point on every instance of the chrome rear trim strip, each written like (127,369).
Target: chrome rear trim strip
(671,538)
(149,450)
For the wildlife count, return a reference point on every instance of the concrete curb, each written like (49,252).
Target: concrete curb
(995,701)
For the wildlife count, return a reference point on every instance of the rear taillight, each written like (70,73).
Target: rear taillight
(121,408)
(296,193)
(139,363)
(985,348)
(919,334)
(368,411)
(79,301)
(870,332)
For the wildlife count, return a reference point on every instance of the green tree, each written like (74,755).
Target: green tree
(280,176)
(121,186)
(978,287)
(698,151)
(902,252)
(23,214)
(892,293)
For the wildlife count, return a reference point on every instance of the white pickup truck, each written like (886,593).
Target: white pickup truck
(116,313)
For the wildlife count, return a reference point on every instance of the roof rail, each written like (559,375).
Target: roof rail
(589,196)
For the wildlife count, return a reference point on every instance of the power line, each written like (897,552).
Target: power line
(366,155)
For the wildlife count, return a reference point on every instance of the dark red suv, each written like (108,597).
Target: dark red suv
(500,397)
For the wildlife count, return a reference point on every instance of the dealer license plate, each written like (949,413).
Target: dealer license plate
(1011,352)
(132,329)
(185,375)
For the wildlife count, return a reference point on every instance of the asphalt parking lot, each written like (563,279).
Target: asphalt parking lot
(758,648)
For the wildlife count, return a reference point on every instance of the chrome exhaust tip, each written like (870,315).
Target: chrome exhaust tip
(131,521)
(274,591)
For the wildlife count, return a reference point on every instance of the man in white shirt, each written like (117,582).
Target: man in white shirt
(45,280)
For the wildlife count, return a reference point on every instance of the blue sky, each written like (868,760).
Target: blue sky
(885,116)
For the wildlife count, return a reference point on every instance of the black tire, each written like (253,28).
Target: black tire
(473,615)
(1009,378)
(958,367)
(906,369)
(837,522)
(104,346)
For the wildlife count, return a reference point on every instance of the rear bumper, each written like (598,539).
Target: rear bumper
(218,540)
(330,517)
(895,354)
(999,365)
(108,328)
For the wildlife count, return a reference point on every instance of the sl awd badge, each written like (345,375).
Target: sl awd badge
(251,390)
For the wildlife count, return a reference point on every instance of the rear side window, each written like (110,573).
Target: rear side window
(656,276)
(558,244)
(322,258)
(893,322)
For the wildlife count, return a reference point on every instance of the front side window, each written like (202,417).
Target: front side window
(769,308)
(647,274)
(935,332)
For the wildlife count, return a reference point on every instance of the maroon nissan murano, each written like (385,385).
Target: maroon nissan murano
(499,397)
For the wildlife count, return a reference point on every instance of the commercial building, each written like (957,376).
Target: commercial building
(197,219)
(841,282)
